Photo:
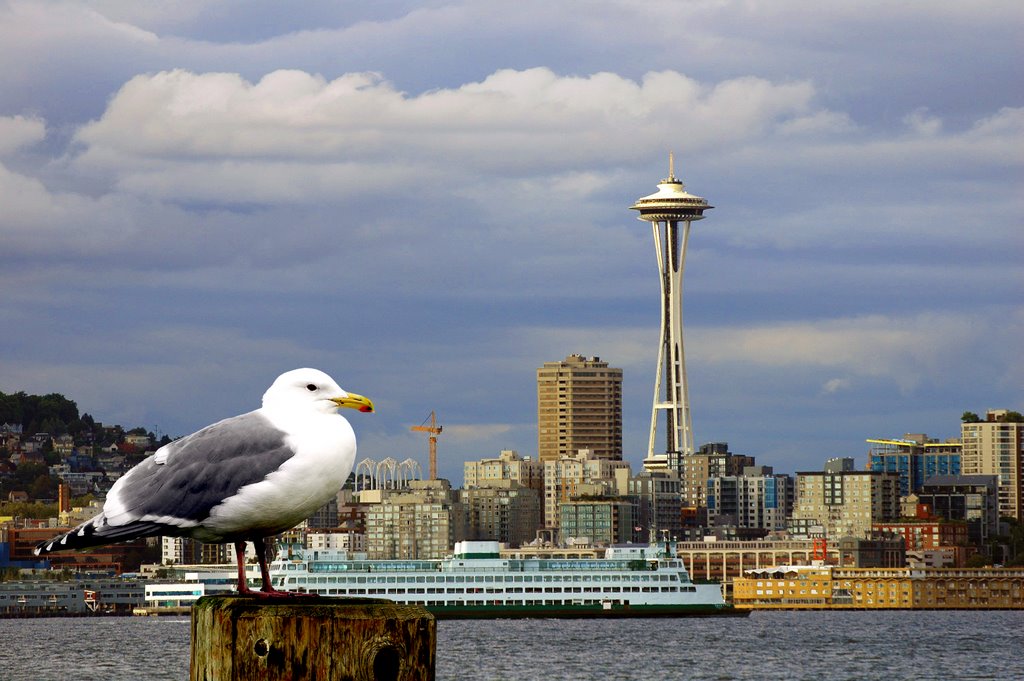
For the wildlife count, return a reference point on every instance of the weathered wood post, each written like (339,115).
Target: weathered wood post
(239,638)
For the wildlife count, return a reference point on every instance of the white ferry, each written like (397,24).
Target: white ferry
(476,582)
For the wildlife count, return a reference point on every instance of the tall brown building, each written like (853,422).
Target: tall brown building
(579,406)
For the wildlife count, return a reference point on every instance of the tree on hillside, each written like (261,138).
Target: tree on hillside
(10,408)
(38,413)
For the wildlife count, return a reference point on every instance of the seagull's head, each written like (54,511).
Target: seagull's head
(311,389)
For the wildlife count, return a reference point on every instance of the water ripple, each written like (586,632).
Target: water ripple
(801,646)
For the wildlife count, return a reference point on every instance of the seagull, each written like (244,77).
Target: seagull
(239,480)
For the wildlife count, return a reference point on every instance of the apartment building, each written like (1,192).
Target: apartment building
(601,521)
(972,499)
(657,500)
(711,460)
(846,503)
(422,521)
(579,406)
(757,499)
(995,446)
(915,458)
(575,475)
(508,465)
(502,511)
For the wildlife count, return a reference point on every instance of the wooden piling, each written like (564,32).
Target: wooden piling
(240,638)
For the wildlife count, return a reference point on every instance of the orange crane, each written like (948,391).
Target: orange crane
(433,429)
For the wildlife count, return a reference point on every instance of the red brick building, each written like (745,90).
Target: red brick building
(922,535)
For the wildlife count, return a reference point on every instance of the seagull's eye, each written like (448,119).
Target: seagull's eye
(311,387)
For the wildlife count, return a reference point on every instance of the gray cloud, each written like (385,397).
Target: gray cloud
(194,201)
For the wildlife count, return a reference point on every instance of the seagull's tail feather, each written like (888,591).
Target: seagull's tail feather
(96,532)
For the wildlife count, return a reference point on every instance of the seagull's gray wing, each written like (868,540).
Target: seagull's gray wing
(176,488)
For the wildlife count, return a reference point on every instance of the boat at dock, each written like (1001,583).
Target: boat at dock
(633,580)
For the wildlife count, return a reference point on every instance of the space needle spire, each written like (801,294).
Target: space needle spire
(670,210)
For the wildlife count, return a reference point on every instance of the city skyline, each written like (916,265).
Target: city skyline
(197,198)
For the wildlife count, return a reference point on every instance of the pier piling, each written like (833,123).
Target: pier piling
(236,638)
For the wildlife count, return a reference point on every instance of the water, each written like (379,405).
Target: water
(802,646)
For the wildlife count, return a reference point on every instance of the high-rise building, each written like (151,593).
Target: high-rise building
(602,521)
(846,503)
(670,210)
(995,446)
(657,499)
(964,498)
(579,406)
(916,458)
(187,551)
(757,499)
(575,475)
(712,460)
(422,521)
(507,466)
(502,511)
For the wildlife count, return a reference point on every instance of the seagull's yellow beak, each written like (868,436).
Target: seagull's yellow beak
(354,401)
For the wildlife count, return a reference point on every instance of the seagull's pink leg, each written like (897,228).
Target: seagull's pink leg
(268,590)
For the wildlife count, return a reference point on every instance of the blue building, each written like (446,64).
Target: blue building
(916,458)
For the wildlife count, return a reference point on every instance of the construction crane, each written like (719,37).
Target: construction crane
(433,429)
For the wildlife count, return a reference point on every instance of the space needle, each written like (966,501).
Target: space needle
(670,210)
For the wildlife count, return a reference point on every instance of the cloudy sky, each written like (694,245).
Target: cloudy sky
(431,199)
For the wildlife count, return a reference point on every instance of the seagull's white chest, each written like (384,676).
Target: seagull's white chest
(325,451)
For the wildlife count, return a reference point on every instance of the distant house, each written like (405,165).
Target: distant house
(17,496)
(142,442)
(11,443)
(19,458)
(110,461)
(127,448)
(63,445)
(31,446)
